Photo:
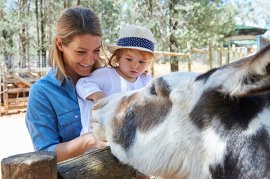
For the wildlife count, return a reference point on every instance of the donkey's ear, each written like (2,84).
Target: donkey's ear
(249,76)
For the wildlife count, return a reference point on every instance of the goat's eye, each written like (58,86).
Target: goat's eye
(153,90)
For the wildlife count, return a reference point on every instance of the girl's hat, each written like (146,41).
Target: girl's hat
(135,37)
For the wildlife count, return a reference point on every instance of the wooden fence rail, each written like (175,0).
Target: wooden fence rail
(100,164)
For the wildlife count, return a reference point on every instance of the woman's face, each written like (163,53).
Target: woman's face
(80,54)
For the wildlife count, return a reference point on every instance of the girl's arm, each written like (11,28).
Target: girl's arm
(96,96)
(89,85)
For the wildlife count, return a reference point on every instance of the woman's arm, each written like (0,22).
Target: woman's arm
(77,146)
(54,124)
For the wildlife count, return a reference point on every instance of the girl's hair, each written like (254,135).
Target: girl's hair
(113,61)
(74,21)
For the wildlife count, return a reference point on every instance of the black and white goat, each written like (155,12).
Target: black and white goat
(189,125)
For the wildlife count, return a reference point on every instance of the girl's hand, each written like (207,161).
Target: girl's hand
(96,96)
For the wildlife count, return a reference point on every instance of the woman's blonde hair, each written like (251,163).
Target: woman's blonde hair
(113,61)
(74,21)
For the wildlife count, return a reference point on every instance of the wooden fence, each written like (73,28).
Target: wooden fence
(189,56)
(201,60)
(100,164)
(14,87)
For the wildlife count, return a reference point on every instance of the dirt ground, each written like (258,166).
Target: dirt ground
(14,136)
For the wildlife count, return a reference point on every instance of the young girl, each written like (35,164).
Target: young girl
(130,59)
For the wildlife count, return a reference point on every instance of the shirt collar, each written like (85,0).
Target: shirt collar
(52,76)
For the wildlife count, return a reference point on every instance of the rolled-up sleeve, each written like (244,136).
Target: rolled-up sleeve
(88,85)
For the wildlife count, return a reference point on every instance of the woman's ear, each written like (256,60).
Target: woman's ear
(59,44)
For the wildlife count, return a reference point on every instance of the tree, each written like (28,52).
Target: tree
(173,23)
(23,39)
(109,13)
(43,35)
(7,29)
(176,23)
(46,16)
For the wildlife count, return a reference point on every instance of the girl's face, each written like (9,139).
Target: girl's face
(132,64)
(80,54)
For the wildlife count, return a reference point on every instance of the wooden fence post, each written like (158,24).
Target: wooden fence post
(1,87)
(220,56)
(5,93)
(189,56)
(210,55)
(99,164)
(41,165)
(229,55)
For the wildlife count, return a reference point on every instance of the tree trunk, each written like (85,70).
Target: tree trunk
(173,42)
(22,33)
(67,3)
(42,30)
(28,36)
(38,30)
(5,35)
(150,10)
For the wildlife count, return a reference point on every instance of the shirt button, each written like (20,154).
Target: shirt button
(76,116)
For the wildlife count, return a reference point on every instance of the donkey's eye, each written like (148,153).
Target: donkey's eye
(153,90)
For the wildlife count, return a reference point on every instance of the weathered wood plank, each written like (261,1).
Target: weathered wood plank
(172,54)
(25,81)
(41,165)
(100,164)
(18,90)
(17,100)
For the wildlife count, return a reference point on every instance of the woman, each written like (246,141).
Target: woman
(53,114)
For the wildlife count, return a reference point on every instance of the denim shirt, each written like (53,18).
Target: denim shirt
(53,113)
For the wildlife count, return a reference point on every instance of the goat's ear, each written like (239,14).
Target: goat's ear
(249,76)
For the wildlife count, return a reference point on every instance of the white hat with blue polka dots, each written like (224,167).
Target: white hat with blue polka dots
(135,37)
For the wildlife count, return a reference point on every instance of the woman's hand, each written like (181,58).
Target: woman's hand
(78,146)
(94,142)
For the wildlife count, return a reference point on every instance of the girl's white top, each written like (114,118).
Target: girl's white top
(108,81)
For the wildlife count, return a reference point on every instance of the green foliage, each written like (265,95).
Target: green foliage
(192,21)
(173,22)
(8,29)
(109,14)
(210,21)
